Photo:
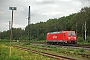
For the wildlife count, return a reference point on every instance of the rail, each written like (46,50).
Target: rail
(45,53)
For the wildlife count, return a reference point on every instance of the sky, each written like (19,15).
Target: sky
(41,11)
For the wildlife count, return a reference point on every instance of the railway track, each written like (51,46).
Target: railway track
(45,53)
(86,46)
(83,55)
(82,45)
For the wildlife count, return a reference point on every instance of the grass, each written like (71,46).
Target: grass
(69,52)
(18,54)
(38,41)
(85,42)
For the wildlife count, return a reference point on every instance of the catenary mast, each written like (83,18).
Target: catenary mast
(29,37)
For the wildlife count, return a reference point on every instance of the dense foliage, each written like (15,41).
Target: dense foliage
(38,31)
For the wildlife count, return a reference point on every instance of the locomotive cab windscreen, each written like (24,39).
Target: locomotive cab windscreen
(71,33)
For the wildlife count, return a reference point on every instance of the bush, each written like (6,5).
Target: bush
(80,39)
(82,50)
(41,37)
(4,40)
(26,43)
(88,39)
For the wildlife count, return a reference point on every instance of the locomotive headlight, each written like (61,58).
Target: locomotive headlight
(75,38)
(68,38)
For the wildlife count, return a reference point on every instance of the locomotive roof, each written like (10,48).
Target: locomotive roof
(60,32)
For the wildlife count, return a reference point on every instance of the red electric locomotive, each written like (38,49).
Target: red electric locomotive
(65,37)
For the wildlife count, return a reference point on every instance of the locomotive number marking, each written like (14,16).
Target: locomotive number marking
(54,36)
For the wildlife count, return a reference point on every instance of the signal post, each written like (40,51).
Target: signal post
(11,8)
